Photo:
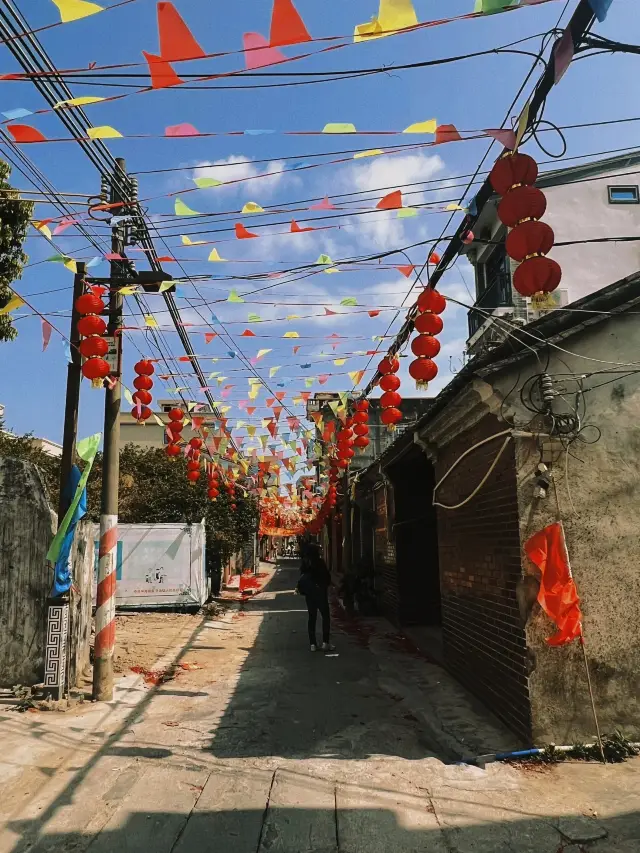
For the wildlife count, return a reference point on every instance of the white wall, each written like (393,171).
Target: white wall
(581,211)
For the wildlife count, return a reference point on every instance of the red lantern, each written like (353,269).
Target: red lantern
(93,346)
(193,466)
(390,417)
(390,399)
(425,346)
(512,170)
(428,324)
(193,477)
(362,406)
(345,435)
(390,382)
(172,450)
(213,494)
(143,383)
(423,370)
(142,397)
(537,275)
(196,443)
(95,369)
(363,417)
(431,300)
(91,324)
(389,364)
(141,413)
(176,415)
(343,463)
(521,203)
(361,429)
(144,368)
(434,258)
(361,442)
(529,238)
(89,303)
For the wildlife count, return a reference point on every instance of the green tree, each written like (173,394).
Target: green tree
(15,214)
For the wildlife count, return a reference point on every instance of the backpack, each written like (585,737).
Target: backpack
(305,585)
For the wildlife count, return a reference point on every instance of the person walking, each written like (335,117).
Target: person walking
(314,584)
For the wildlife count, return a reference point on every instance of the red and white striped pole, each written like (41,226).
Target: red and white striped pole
(108,548)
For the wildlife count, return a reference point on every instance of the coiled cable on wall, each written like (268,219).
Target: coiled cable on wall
(508,434)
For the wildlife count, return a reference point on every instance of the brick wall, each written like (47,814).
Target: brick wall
(480,566)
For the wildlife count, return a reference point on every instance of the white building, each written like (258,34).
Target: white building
(591,201)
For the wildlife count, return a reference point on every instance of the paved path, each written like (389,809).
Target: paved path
(268,748)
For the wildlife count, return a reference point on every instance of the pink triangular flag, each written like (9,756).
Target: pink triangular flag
(258,53)
(325,204)
(503,136)
(184,129)
(46,334)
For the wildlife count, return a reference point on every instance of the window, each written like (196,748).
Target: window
(623,195)
(166,407)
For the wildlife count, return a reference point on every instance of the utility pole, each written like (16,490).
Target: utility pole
(107,563)
(74,378)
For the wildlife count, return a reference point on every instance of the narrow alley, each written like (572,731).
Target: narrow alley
(259,745)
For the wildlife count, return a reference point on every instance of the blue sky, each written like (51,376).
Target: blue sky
(471,94)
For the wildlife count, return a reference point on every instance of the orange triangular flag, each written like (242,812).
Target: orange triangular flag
(296,229)
(373,313)
(251,409)
(277,411)
(280,395)
(295,350)
(242,233)
(248,334)
(25,133)
(406,270)
(162,74)
(447,133)
(176,40)
(391,201)
(209,336)
(287,26)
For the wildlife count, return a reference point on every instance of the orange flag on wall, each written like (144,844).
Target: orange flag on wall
(558,595)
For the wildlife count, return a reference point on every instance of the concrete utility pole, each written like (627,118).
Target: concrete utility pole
(74,378)
(107,564)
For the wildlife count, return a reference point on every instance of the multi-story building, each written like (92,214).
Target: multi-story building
(151,434)
(588,205)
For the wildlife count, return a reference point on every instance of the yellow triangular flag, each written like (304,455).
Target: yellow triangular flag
(372,152)
(128,290)
(79,102)
(523,121)
(340,361)
(73,10)
(339,127)
(428,126)
(181,209)
(233,297)
(14,303)
(396,15)
(205,183)
(370,30)
(356,376)
(214,256)
(166,285)
(252,207)
(150,321)
(262,353)
(44,229)
(293,316)
(187,241)
(273,371)
(291,335)
(71,265)
(103,132)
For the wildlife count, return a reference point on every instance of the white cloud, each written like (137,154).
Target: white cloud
(384,174)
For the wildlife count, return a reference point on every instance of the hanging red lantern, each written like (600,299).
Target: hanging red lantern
(363,417)
(537,275)
(93,346)
(513,170)
(142,397)
(176,415)
(389,364)
(529,238)
(431,300)
(390,382)
(143,383)
(390,399)
(425,346)
(390,417)
(362,405)
(193,477)
(89,303)
(172,450)
(174,428)
(144,367)
(423,370)
(361,442)
(193,465)
(362,429)
(428,324)
(96,369)
(521,203)
(195,443)
(141,413)
(91,324)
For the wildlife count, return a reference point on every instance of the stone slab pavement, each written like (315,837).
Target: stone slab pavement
(260,746)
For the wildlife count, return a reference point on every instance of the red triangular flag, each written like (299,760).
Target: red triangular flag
(447,133)
(277,411)
(251,409)
(280,395)
(162,74)
(295,350)
(323,378)
(296,229)
(558,595)
(287,26)
(209,336)
(242,233)
(373,313)
(329,313)
(270,401)
(392,201)
(25,133)
(176,40)
(406,270)
(248,334)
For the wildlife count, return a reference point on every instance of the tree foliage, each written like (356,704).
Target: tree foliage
(15,214)
(153,490)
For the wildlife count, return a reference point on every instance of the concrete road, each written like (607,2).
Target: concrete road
(260,746)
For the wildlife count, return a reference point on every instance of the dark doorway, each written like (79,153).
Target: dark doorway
(415,533)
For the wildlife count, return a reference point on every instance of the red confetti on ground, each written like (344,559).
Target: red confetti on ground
(189,666)
(154,676)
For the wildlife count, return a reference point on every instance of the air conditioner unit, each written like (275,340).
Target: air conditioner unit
(538,306)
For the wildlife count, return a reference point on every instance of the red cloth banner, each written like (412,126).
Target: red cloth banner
(558,595)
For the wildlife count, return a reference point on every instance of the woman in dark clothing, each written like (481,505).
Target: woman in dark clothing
(314,584)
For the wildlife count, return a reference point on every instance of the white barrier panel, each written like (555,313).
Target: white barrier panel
(158,565)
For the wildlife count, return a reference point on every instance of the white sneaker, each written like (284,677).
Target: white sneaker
(327,647)
(314,648)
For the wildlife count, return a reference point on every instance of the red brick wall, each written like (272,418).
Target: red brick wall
(480,566)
